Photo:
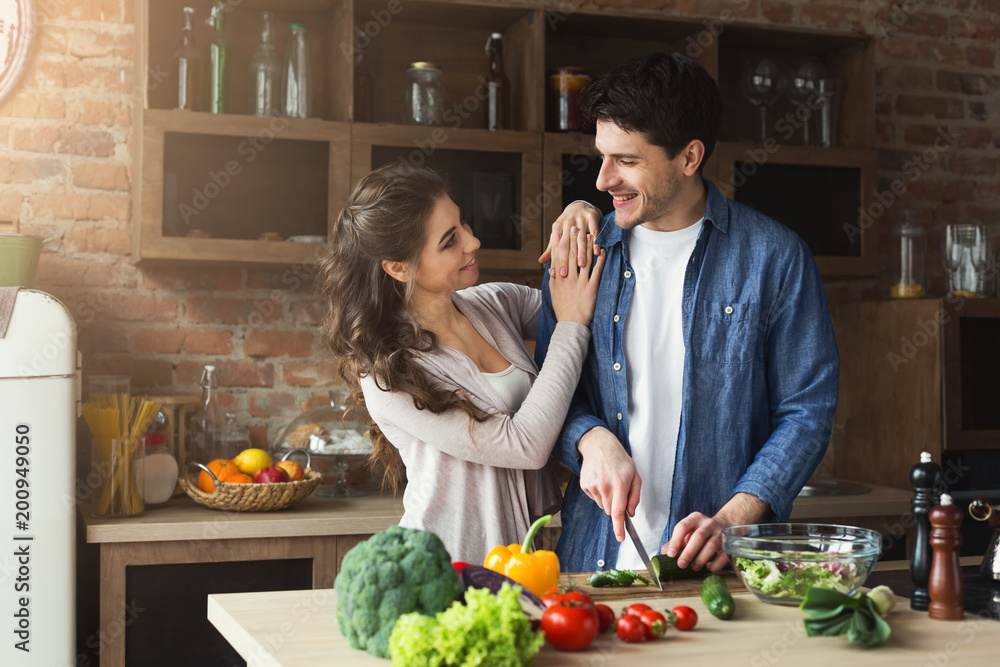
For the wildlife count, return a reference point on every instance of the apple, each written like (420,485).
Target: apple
(294,470)
(270,475)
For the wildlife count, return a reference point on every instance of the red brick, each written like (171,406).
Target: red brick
(108,11)
(52,40)
(28,105)
(189,372)
(96,112)
(902,77)
(922,105)
(208,341)
(975,166)
(6,172)
(159,341)
(233,311)
(81,207)
(258,436)
(841,17)
(97,240)
(101,176)
(964,82)
(244,373)
(308,313)
(321,373)
(47,75)
(712,9)
(145,373)
(40,139)
(87,43)
(208,279)
(10,203)
(923,134)
(127,308)
(976,28)
(277,344)
(91,143)
(777,11)
(36,170)
(629,4)
(980,56)
(272,405)
(100,338)
(298,278)
(974,137)
(318,401)
(989,191)
(894,19)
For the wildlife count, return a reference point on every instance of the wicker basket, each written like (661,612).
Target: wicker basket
(251,497)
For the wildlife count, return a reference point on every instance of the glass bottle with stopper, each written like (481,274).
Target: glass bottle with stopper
(265,72)
(188,63)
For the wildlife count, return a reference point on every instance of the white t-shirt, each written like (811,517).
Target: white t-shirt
(654,364)
(511,385)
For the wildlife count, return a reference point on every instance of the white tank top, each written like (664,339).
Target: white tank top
(512,384)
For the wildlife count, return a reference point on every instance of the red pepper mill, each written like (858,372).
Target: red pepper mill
(945,586)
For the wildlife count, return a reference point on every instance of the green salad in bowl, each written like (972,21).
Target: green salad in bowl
(780,562)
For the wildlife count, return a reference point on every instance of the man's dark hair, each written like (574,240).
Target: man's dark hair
(666,96)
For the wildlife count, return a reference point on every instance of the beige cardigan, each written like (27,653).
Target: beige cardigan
(482,491)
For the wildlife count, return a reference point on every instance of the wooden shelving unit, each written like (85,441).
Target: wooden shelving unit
(314,163)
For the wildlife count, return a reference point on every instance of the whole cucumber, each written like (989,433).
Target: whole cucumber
(666,568)
(715,595)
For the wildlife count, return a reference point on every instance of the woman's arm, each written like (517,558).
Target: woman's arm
(521,440)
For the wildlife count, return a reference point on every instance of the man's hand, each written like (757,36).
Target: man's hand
(700,536)
(582,216)
(608,476)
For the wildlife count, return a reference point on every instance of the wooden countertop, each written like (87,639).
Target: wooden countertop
(182,519)
(299,629)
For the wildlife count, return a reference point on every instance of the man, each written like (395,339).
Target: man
(708,395)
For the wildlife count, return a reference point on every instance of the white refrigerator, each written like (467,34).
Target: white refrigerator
(39,404)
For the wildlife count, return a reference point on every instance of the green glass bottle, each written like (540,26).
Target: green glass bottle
(218,61)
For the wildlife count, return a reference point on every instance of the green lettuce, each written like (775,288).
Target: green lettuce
(793,580)
(487,630)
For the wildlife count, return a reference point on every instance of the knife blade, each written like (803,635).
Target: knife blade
(637,543)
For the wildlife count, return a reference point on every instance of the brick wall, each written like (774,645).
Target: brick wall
(65,171)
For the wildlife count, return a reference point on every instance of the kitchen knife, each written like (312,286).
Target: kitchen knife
(637,543)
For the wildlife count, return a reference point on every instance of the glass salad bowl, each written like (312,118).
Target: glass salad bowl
(338,443)
(779,562)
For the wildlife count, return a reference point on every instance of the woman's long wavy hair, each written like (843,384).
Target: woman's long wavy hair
(366,326)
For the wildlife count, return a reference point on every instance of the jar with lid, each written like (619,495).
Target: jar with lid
(159,471)
(423,101)
(566,84)
(908,273)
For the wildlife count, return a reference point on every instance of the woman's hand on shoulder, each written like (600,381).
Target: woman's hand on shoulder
(574,295)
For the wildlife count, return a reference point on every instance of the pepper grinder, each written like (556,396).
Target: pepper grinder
(926,478)
(946,572)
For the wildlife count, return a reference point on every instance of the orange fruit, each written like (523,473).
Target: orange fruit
(294,470)
(239,478)
(221,468)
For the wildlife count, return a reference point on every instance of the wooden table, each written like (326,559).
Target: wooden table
(299,629)
(322,529)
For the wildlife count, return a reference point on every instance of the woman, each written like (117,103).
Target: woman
(441,366)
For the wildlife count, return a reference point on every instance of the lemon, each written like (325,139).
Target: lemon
(249,461)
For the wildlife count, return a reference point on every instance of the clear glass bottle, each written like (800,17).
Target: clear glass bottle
(498,87)
(188,62)
(296,86)
(423,102)
(265,72)
(364,90)
(211,416)
(908,273)
(219,64)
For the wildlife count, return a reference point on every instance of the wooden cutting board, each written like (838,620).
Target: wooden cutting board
(671,589)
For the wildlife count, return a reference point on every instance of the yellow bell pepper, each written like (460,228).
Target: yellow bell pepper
(538,571)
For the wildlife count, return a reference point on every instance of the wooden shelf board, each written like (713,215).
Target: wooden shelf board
(432,138)
(235,252)
(484,16)
(198,122)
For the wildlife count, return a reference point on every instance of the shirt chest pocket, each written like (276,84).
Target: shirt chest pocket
(727,332)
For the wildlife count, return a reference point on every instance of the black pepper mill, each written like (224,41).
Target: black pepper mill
(926,479)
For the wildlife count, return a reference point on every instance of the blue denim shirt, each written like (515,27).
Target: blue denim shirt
(760,375)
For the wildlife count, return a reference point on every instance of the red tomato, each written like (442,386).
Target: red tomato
(686,618)
(655,624)
(637,608)
(564,597)
(550,596)
(606,616)
(630,628)
(578,596)
(571,626)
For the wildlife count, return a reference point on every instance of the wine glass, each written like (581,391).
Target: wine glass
(964,257)
(761,84)
(803,85)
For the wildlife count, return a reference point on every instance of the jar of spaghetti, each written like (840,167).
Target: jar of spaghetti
(566,84)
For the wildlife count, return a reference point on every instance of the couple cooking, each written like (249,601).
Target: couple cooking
(685,368)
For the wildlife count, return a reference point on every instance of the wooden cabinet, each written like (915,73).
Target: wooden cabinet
(238,176)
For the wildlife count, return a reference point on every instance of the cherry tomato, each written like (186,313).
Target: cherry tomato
(685,618)
(655,624)
(570,626)
(630,628)
(578,596)
(606,616)
(637,608)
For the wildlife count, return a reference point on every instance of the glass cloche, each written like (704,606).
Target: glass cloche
(339,446)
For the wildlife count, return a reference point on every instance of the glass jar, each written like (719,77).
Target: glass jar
(118,464)
(423,101)
(566,84)
(159,471)
(908,273)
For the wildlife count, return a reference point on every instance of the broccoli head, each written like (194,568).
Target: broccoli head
(394,572)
